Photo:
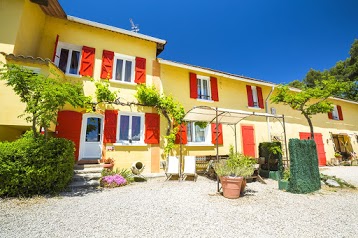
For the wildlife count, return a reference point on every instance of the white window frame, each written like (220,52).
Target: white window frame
(70,47)
(335,115)
(128,142)
(255,98)
(124,58)
(207,134)
(201,79)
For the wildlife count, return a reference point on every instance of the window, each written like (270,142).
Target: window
(196,134)
(203,87)
(254,96)
(68,58)
(123,68)
(336,113)
(130,129)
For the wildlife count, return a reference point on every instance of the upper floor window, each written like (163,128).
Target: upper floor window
(197,134)
(130,129)
(254,96)
(68,58)
(123,68)
(336,113)
(203,87)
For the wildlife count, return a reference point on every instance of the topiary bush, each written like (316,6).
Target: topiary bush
(32,166)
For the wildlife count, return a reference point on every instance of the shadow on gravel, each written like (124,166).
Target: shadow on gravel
(249,192)
(80,192)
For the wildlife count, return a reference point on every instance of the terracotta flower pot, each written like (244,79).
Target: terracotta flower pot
(231,186)
(243,185)
(108,166)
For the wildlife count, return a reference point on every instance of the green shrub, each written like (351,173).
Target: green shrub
(32,166)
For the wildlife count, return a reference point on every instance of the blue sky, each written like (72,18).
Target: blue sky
(272,40)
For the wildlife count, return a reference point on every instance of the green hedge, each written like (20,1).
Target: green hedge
(304,172)
(30,166)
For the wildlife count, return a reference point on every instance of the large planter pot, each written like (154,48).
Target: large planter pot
(243,186)
(231,186)
(283,184)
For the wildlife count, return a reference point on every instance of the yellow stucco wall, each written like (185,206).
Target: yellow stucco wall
(8,133)
(30,30)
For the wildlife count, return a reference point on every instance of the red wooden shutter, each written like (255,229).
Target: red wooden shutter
(193,85)
(152,128)
(330,115)
(214,89)
(140,72)
(55,50)
(87,61)
(107,64)
(68,126)
(340,114)
(110,126)
(249,96)
(259,97)
(220,134)
(181,133)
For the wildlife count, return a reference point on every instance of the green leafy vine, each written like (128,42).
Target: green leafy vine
(167,106)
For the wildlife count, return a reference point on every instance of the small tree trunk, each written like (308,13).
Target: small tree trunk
(165,114)
(310,125)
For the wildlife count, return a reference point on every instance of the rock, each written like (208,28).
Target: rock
(332,183)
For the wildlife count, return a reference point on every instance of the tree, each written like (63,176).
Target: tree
(311,100)
(43,95)
(344,71)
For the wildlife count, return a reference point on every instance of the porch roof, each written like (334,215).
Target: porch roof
(225,116)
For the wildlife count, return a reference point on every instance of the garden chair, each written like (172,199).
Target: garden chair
(172,167)
(189,167)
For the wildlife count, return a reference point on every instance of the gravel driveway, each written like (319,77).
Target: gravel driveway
(183,209)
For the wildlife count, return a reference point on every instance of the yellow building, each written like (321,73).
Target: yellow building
(46,40)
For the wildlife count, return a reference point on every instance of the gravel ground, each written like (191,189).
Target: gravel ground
(183,209)
(348,173)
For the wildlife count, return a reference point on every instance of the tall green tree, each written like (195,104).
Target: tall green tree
(43,96)
(345,71)
(311,100)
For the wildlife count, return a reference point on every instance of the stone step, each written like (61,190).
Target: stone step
(86,176)
(83,184)
(88,170)
(85,166)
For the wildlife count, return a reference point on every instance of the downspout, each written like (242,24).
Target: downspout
(267,118)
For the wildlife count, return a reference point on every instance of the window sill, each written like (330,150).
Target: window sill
(135,145)
(120,82)
(204,100)
(254,108)
(73,75)
(199,144)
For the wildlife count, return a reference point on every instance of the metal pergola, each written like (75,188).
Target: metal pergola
(227,117)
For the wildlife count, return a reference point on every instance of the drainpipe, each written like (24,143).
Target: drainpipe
(267,118)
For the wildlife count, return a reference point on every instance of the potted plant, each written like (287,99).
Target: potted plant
(108,163)
(283,182)
(232,172)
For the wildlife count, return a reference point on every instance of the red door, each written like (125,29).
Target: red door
(69,127)
(248,140)
(320,146)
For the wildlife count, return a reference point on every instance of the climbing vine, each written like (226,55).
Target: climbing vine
(103,93)
(172,110)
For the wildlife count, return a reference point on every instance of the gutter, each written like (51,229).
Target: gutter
(267,118)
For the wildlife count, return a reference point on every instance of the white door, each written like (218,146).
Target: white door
(91,137)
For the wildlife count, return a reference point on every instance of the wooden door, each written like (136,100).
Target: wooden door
(319,144)
(248,140)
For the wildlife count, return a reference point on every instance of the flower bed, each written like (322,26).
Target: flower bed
(112,181)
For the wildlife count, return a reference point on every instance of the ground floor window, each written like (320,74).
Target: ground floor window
(130,129)
(198,134)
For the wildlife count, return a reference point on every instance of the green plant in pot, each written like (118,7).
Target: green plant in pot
(283,182)
(233,171)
